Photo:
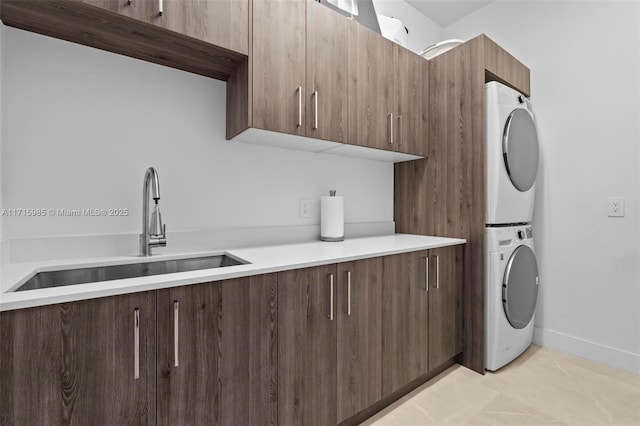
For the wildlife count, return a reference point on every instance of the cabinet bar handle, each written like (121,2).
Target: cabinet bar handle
(160,7)
(136,344)
(426,274)
(400,130)
(315,103)
(390,117)
(348,292)
(437,271)
(176,333)
(331,297)
(299,106)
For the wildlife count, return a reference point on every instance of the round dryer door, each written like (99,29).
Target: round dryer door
(520,287)
(520,149)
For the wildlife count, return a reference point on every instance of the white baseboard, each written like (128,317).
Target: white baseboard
(613,357)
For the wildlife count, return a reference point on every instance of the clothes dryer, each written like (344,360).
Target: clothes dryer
(511,155)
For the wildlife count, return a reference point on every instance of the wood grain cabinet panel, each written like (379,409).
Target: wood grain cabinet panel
(501,66)
(411,83)
(307,346)
(133,9)
(359,335)
(445,304)
(75,363)
(371,90)
(278,66)
(326,79)
(445,195)
(217,353)
(387,94)
(224,23)
(405,320)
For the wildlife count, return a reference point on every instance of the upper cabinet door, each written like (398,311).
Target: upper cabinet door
(278,65)
(371,89)
(326,93)
(224,23)
(221,22)
(411,86)
(133,9)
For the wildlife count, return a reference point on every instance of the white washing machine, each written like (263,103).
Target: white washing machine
(511,292)
(512,155)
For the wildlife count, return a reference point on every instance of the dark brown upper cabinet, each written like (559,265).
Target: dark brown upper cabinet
(80,363)
(387,94)
(371,89)
(223,23)
(208,37)
(277,71)
(326,82)
(411,85)
(327,78)
(295,80)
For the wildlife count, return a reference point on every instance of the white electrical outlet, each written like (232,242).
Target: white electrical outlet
(305,207)
(615,207)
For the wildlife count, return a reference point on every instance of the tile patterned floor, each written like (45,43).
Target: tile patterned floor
(541,387)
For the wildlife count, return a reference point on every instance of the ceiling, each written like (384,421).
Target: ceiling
(446,12)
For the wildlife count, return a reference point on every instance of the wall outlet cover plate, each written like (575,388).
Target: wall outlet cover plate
(615,206)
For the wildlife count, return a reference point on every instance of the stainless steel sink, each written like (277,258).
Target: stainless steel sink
(117,272)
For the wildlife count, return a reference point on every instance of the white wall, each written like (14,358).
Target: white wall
(423,32)
(585,66)
(82,125)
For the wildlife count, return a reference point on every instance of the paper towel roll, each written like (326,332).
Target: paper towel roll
(332,218)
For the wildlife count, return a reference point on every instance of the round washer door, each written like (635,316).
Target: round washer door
(520,149)
(520,287)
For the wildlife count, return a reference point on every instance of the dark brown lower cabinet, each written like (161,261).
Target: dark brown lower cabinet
(405,320)
(311,346)
(80,363)
(217,353)
(421,312)
(329,330)
(359,348)
(307,346)
(445,304)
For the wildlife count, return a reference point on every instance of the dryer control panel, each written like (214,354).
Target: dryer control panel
(524,233)
(500,238)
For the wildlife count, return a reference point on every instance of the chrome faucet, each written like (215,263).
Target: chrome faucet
(153,233)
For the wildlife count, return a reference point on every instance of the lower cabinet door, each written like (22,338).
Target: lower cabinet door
(217,353)
(359,348)
(405,326)
(307,320)
(81,363)
(445,304)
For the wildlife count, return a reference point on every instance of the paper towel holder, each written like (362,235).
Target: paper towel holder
(323,218)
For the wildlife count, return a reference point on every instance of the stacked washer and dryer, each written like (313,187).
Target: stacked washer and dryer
(511,270)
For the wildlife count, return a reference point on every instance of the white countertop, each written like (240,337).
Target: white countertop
(262,260)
